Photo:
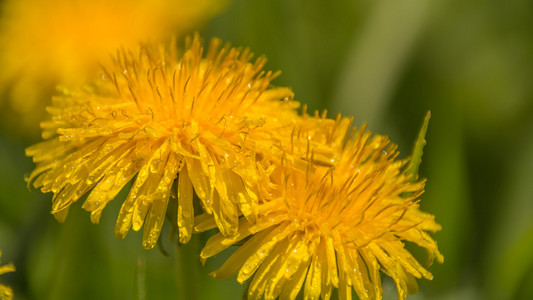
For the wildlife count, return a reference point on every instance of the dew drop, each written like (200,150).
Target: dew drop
(246,269)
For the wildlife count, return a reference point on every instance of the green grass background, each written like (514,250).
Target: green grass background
(386,62)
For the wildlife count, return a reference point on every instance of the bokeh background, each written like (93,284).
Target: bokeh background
(386,62)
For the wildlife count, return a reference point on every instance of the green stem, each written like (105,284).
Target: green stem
(139,288)
(188,269)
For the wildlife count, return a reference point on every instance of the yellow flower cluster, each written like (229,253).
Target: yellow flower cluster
(315,204)
(153,115)
(332,224)
(6,293)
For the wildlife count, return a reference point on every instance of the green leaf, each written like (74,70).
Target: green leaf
(416,156)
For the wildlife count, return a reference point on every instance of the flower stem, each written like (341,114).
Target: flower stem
(188,269)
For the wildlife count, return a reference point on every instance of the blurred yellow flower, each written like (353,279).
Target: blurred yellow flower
(153,115)
(335,224)
(48,42)
(6,293)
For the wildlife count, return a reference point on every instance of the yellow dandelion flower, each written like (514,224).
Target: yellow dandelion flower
(6,293)
(153,115)
(46,42)
(333,226)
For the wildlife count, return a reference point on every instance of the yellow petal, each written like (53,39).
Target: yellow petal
(257,257)
(329,266)
(407,261)
(345,285)
(333,279)
(68,195)
(392,267)
(140,209)
(6,293)
(358,274)
(368,260)
(272,261)
(61,215)
(313,282)
(237,193)
(158,208)
(241,255)
(7,268)
(162,171)
(200,182)
(108,188)
(47,150)
(294,285)
(185,206)
(125,216)
(226,215)
(218,242)
(204,222)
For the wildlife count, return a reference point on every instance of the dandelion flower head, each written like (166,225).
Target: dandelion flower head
(334,226)
(47,42)
(6,293)
(154,114)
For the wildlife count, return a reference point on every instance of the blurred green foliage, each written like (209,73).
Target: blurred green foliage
(385,62)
